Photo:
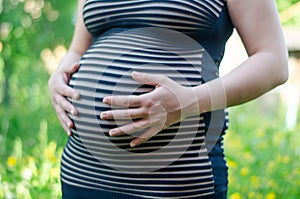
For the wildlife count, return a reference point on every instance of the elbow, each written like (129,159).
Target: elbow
(284,76)
(279,65)
(283,71)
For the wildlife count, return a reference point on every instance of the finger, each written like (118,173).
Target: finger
(63,116)
(130,128)
(124,101)
(71,68)
(67,129)
(67,91)
(145,136)
(64,119)
(124,114)
(65,104)
(152,79)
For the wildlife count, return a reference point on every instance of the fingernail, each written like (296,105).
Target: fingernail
(132,144)
(105,100)
(103,115)
(69,125)
(112,133)
(76,96)
(73,112)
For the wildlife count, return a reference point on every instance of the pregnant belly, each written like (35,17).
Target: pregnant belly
(106,70)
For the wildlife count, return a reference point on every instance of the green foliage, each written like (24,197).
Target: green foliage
(262,154)
(28,124)
(33,173)
(285,4)
(27,28)
(32,35)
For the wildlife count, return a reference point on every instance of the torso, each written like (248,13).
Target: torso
(178,38)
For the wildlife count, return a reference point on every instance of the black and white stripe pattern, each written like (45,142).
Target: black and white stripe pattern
(180,15)
(94,160)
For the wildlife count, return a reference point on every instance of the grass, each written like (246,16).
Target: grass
(263,157)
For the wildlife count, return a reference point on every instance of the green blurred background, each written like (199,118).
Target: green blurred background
(263,156)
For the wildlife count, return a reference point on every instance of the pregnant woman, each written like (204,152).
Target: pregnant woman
(139,94)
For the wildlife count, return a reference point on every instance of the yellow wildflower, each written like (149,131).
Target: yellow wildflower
(49,152)
(244,171)
(260,133)
(277,139)
(231,179)
(262,145)
(251,195)
(259,196)
(54,172)
(286,159)
(270,166)
(272,184)
(271,195)
(11,161)
(236,196)
(296,171)
(254,181)
(249,157)
(231,163)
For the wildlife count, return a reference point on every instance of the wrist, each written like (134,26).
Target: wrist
(74,54)
(202,96)
(193,101)
(71,58)
(211,96)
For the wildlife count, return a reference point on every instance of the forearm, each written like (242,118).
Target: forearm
(81,39)
(260,30)
(257,75)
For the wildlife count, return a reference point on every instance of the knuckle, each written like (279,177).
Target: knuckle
(60,112)
(147,122)
(61,90)
(124,103)
(136,100)
(57,108)
(149,103)
(56,99)
(130,114)
(161,78)
(65,105)
(145,111)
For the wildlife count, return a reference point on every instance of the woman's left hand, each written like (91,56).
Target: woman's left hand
(152,112)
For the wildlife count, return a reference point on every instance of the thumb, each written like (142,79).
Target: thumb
(72,68)
(151,79)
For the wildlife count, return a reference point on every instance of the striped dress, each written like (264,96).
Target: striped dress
(182,39)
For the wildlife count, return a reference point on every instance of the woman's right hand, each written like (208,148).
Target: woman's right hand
(59,90)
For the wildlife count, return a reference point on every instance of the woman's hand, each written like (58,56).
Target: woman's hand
(152,112)
(59,90)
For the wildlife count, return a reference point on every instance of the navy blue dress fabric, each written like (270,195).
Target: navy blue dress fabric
(185,160)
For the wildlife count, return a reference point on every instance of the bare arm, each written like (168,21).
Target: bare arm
(81,38)
(258,25)
(57,83)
